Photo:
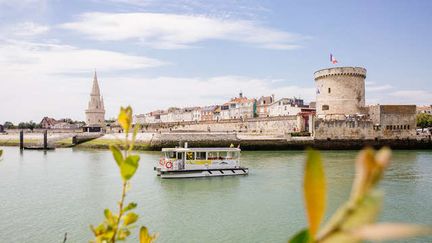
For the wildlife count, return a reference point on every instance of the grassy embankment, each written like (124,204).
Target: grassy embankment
(105,143)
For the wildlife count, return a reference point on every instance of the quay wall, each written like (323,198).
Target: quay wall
(247,141)
(264,125)
(360,130)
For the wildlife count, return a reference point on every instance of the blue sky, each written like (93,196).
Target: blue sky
(155,54)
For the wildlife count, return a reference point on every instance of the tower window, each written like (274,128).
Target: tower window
(325,107)
(329,90)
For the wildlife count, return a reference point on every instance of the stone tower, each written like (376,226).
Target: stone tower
(95,113)
(340,91)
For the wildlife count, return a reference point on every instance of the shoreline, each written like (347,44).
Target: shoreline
(157,141)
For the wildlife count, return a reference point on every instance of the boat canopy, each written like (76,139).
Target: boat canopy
(202,153)
(200,149)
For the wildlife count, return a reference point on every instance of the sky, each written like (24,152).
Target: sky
(155,54)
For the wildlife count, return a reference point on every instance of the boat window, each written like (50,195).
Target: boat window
(212,155)
(233,155)
(179,155)
(170,155)
(201,155)
(222,155)
(190,156)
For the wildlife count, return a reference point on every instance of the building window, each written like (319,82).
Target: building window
(325,107)
(329,90)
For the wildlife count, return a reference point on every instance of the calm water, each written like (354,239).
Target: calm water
(44,195)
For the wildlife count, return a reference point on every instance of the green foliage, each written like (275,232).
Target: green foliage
(8,125)
(355,220)
(1,153)
(300,134)
(28,125)
(117,226)
(301,237)
(424,120)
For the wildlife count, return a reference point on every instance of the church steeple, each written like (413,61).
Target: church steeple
(95,90)
(95,113)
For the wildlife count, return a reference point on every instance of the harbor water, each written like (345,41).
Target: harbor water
(44,195)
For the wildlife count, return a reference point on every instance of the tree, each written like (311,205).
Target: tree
(8,125)
(424,120)
(22,125)
(28,125)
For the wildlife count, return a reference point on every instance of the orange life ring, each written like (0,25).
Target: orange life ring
(168,164)
(161,161)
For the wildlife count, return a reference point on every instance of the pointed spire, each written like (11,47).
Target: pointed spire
(95,89)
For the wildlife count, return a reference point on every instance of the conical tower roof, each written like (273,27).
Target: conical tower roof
(95,90)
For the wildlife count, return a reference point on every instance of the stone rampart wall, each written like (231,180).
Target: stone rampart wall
(358,129)
(264,125)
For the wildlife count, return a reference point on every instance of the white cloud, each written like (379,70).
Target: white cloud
(24,30)
(412,96)
(378,88)
(173,31)
(28,29)
(36,58)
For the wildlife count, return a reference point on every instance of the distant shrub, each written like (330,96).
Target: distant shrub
(300,134)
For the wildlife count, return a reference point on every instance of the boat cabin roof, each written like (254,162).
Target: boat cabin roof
(198,149)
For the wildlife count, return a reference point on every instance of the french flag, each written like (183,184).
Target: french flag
(333,59)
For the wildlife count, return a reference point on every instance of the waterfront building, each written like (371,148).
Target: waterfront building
(208,113)
(217,113)
(196,114)
(186,114)
(239,108)
(263,104)
(424,109)
(95,113)
(47,122)
(286,107)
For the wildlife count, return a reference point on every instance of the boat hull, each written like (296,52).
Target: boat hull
(175,174)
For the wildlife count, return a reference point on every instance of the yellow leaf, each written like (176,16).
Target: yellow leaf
(125,118)
(130,218)
(364,166)
(314,191)
(118,157)
(383,157)
(390,231)
(145,237)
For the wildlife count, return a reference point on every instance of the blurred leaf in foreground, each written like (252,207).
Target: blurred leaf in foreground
(353,221)
(314,191)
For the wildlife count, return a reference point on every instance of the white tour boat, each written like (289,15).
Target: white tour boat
(200,162)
